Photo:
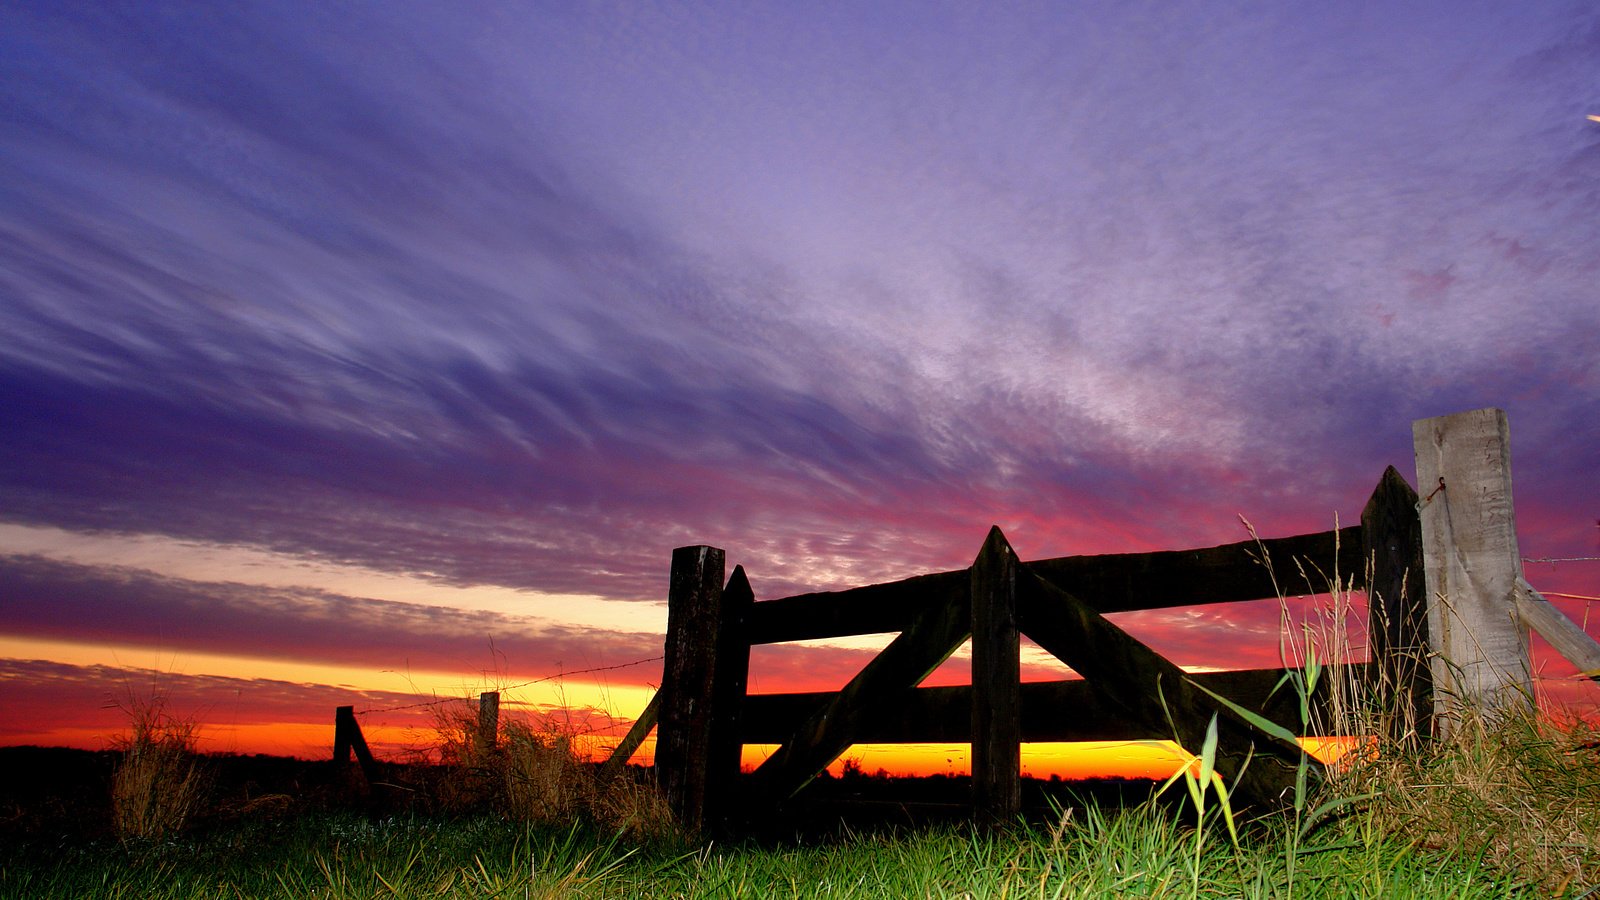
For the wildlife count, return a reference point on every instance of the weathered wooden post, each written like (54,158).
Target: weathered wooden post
(347,737)
(1397,608)
(1480,660)
(996,683)
(731,673)
(488,735)
(695,708)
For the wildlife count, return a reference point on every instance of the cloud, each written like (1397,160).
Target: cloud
(50,599)
(57,703)
(113,688)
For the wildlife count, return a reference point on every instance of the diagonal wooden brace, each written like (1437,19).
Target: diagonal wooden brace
(1553,625)
(1156,694)
(878,687)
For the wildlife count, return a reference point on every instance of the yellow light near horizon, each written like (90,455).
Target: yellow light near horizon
(189,662)
(623,700)
(1089,759)
(221,731)
(306,740)
(1101,759)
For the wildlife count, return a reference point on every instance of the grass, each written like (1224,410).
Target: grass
(1085,853)
(531,771)
(1522,795)
(1477,819)
(159,785)
(1511,812)
(1517,791)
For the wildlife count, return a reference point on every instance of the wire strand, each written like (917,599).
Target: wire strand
(1568,596)
(511,687)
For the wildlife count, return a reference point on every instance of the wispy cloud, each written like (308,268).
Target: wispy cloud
(126,607)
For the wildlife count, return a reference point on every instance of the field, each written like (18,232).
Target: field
(1515,813)
(1134,853)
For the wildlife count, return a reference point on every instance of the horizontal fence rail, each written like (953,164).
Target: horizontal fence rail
(937,715)
(1112,583)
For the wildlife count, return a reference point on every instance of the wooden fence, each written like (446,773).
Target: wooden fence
(348,739)
(1476,612)
(1127,691)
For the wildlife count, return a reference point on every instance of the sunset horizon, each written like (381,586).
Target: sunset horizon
(406,714)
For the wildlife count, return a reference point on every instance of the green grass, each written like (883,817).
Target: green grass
(1141,852)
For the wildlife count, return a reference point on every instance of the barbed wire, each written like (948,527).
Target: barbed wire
(628,665)
(510,687)
(1568,596)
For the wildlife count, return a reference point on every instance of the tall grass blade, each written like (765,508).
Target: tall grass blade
(1256,720)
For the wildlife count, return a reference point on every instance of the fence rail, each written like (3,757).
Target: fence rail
(1110,583)
(937,715)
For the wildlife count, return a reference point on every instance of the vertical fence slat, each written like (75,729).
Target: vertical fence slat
(996,683)
(1397,608)
(1472,565)
(683,737)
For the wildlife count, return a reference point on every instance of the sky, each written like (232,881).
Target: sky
(376,354)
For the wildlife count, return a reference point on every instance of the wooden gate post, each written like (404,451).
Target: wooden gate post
(347,738)
(688,683)
(728,689)
(1473,568)
(996,683)
(1397,609)
(488,736)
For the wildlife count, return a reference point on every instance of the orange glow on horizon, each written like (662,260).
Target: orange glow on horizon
(1106,759)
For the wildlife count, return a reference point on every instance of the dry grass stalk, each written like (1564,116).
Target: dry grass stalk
(1521,791)
(158,786)
(534,772)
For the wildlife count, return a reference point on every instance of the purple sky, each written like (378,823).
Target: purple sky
(527,295)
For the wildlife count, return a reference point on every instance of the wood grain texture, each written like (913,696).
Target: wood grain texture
(683,737)
(1563,634)
(1471,564)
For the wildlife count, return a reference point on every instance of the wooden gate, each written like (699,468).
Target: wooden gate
(1127,691)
